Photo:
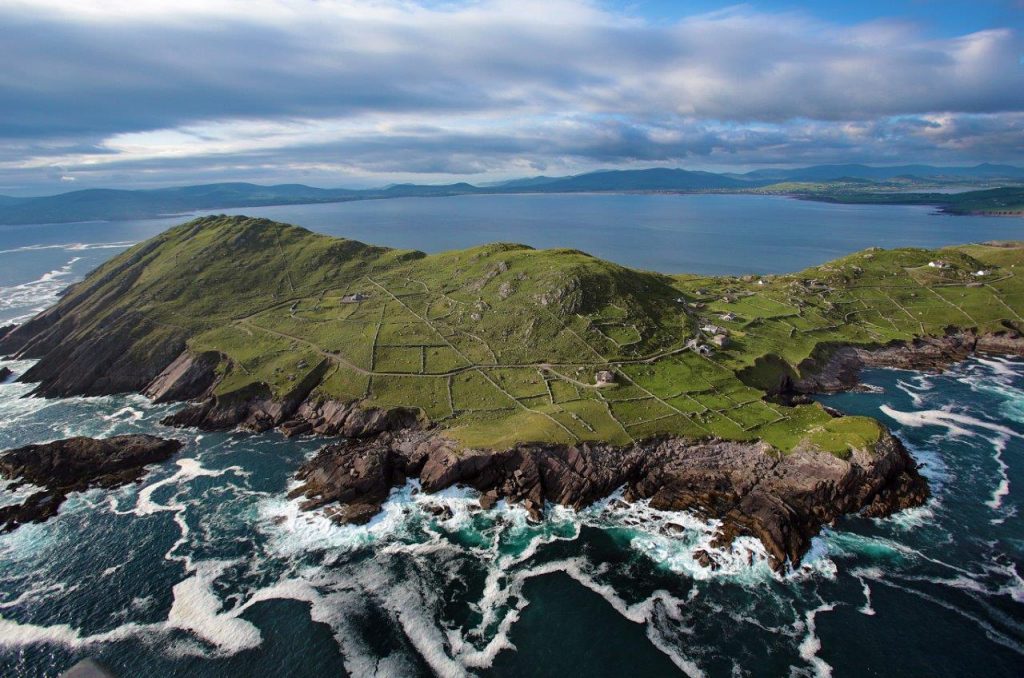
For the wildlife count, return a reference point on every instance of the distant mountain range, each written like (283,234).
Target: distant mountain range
(984,171)
(658,179)
(114,204)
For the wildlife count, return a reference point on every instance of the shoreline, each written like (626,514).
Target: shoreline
(784,500)
(940,206)
(781,476)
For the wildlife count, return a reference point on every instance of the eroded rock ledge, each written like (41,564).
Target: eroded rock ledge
(73,465)
(783,500)
(840,369)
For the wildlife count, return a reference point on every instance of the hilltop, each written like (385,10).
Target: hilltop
(501,343)
(475,352)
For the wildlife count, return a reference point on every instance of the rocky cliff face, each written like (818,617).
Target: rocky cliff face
(840,370)
(83,349)
(73,465)
(783,500)
(188,377)
(256,409)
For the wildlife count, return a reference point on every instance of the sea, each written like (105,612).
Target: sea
(205,568)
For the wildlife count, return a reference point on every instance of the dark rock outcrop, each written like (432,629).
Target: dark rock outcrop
(100,361)
(73,465)
(252,408)
(332,417)
(783,500)
(187,378)
(255,408)
(5,374)
(840,369)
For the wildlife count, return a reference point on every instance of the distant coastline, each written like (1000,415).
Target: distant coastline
(847,184)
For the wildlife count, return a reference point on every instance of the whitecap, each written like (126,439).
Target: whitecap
(33,297)
(1001,366)
(71,247)
(810,646)
(1002,488)
(955,422)
(863,575)
(196,608)
(14,634)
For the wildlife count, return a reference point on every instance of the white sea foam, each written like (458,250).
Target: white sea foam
(294,533)
(916,387)
(1003,487)
(1000,377)
(963,425)
(197,609)
(990,631)
(1001,366)
(127,413)
(810,646)
(36,593)
(111,570)
(35,296)
(12,496)
(642,612)
(863,575)
(957,424)
(671,538)
(14,634)
(188,469)
(71,247)
(816,563)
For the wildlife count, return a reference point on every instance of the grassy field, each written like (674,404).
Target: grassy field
(502,343)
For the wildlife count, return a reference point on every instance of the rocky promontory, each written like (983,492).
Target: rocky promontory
(74,465)
(840,368)
(782,499)
(534,376)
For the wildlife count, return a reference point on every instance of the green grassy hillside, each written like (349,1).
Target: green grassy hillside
(501,344)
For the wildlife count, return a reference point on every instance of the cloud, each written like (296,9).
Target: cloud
(262,87)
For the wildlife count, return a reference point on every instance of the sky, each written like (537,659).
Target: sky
(147,93)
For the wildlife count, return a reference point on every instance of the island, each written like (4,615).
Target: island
(533,376)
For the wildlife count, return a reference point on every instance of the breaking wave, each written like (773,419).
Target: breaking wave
(182,567)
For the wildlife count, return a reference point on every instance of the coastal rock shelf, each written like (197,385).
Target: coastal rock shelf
(74,465)
(753,489)
(535,376)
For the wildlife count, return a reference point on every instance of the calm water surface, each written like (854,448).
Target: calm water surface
(669,233)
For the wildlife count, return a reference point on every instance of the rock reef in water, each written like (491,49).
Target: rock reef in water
(783,500)
(74,465)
